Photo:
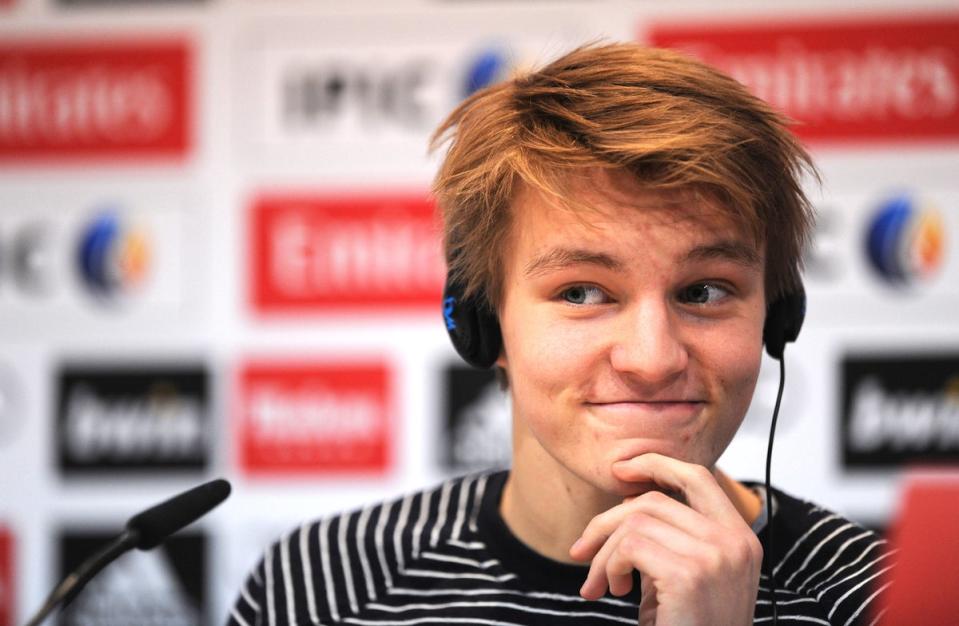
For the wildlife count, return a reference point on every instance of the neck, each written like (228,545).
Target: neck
(547,507)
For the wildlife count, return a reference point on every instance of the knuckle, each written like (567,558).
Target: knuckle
(653,497)
(596,526)
(700,473)
(689,578)
(632,543)
(713,563)
(634,521)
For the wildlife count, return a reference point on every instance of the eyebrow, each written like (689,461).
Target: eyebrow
(729,250)
(560,258)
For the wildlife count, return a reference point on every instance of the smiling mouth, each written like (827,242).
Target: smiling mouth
(676,409)
(646,403)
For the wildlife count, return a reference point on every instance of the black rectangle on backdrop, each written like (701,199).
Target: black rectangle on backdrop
(478,424)
(166,585)
(899,409)
(142,418)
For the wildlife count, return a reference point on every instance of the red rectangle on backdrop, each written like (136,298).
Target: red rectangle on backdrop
(94,99)
(842,79)
(314,417)
(6,578)
(321,253)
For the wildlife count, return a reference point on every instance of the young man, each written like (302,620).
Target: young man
(620,223)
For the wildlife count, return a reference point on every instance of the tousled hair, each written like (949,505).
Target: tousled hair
(672,122)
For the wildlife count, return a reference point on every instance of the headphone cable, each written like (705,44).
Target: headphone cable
(769,494)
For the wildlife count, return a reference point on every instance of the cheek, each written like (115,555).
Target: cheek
(737,367)
(545,359)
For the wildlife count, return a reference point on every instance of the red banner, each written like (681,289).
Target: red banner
(843,80)
(7,591)
(104,99)
(314,417)
(310,254)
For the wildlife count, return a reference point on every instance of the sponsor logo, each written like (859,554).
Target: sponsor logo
(94,99)
(478,420)
(314,417)
(377,252)
(823,261)
(487,68)
(113,257)
(843,80)
(332,95)
(898,410)
(25,259)
(11,405)
(126,257)
(7,579)
(131,417)
(117,2)
(163,587)
(905,240)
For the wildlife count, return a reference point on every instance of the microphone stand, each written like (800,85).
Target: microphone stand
(68,589)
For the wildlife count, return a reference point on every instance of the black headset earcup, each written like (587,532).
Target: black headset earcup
(472,326)
(784,319)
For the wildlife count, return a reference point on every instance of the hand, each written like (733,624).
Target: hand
(699,562)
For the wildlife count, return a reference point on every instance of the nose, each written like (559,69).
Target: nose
(648,344)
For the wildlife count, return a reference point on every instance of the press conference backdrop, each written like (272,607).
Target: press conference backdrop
(218,257)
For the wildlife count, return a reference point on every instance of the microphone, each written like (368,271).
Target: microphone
(144,531)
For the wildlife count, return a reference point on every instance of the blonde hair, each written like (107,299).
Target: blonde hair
(671,121)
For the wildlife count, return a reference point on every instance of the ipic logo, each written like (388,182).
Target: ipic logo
(905,240)
(26,259)
(113,257)
(335,93)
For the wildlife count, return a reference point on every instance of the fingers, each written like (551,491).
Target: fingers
(653,504)
(695,482)
(640,544)
(688,549)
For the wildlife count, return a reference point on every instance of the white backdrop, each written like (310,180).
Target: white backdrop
(322,110)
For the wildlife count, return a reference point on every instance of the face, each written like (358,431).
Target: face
(632,327)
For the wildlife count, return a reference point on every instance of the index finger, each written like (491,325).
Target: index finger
(697,484)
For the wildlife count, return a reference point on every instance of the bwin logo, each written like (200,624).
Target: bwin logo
(449,305)
(906,240)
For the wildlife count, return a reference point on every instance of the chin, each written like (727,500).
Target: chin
(627,449)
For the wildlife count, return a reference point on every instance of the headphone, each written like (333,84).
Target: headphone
(474,329)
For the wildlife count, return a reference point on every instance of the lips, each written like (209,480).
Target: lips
(642,410)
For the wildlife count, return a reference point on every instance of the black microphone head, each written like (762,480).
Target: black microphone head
(158,522)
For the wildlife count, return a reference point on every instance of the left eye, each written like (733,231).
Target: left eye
(583,294)
(703,293)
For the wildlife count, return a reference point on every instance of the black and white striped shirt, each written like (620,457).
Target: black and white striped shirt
(445,556)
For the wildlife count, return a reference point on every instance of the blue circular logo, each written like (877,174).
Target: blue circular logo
(111,257)
(905,241)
